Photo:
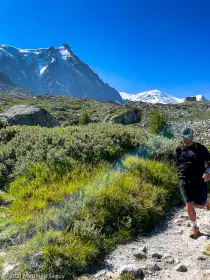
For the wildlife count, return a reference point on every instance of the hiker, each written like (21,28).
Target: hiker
(193,166)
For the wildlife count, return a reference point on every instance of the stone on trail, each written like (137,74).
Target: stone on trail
(188,224)
(143,249)
(156,255)
(169,261)
(153,266)
(137,272)
(166,256)
(181,268)
(202,258)
(140,255)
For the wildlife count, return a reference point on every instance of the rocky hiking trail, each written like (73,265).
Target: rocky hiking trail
(166,253)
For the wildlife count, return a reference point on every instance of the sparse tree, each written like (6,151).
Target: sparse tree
(84,117)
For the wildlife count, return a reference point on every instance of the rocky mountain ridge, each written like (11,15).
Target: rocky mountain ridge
(55,71)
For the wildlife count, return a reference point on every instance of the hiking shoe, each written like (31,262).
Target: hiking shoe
(194,233)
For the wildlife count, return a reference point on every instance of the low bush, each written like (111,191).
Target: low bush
(96,211)
(59,146)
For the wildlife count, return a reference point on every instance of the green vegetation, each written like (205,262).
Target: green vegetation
(69,205)
(64,106)
(78,191)
(61,147)
(128,276)
(84,118)
(158,124)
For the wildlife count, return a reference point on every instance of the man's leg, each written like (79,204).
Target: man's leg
(191,211)
(192,214)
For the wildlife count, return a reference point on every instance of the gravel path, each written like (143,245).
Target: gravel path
(164,252)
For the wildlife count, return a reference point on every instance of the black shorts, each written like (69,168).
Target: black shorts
(194,191)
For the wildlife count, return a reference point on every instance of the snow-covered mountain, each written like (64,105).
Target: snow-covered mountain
(54,70)
(152,96)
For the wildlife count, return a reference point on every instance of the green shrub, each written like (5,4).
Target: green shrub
(161,148)
(84,117)
(23,146)
(158,124)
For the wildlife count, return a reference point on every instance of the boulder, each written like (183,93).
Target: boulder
(28,115)
(129,116)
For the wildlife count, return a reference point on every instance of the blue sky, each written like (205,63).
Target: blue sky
(134,45)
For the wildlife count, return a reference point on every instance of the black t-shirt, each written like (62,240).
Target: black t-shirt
(190,160)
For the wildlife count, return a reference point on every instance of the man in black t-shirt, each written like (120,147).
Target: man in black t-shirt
(193,166)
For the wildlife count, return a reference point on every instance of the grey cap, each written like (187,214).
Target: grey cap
(186,132)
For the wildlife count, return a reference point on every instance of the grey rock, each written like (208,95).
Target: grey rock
(181,268)
(143,249)
(153,266)
(188,224)
(202,258)
(140,255)
(128,117)
(166,256)
(156,255)
(6,202)
(169,260)
(137,272)
(28,115)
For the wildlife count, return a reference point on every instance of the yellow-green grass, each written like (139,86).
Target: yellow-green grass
(46,188)
(110,208)
(207,251)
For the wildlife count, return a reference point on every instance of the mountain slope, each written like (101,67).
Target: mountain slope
(54,70)
(8,87)
(152,96)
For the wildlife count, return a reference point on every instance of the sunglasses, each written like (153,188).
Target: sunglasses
(186,136)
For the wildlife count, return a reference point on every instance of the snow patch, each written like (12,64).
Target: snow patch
(42,69)
(78,72)
(62,86)
(2,51)
(57,82)
(24,51)
(64,53)
(24,73)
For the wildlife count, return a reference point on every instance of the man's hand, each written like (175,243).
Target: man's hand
(206,177)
